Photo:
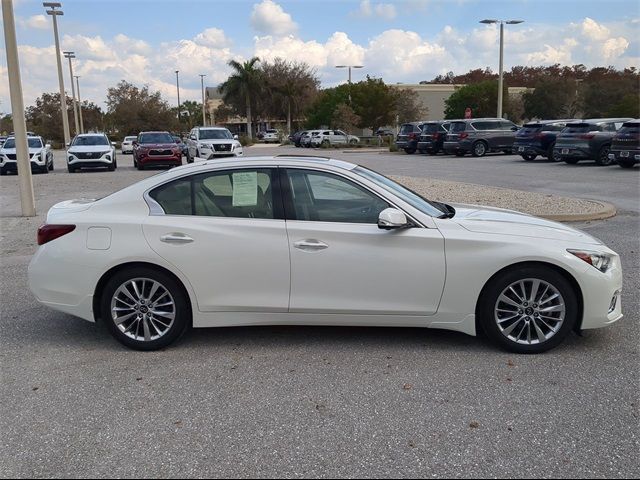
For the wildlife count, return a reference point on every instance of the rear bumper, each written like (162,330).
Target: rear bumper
(403,144)
(460,146)
(528,149)
(427,145)
(580,153)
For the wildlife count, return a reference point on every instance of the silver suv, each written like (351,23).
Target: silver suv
(205,143)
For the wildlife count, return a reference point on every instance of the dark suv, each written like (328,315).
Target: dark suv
(479,136)
(156,149)
(588,140)
(539,138)
(625,146)
(432,138)
(407,138)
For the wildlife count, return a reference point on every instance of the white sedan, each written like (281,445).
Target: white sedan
(285,240)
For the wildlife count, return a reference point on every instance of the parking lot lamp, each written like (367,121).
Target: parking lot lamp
(349,67)
(71,55)
(204,118)
(178,89)
(27,198)
(79,103)
(500,75)
(63,98)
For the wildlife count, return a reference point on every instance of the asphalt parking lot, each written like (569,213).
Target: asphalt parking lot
(320,402)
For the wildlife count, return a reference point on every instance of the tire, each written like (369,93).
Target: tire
(45,169)
(603,156)
(71,169)
(353,141)
(552,155)
(111,167)
(479,149)
(139,166)
(172,313)
(626,163)
(571,161)
(432,151)
(494,312)
(189,159)
(422,152)
(507,152)
(460,154)
(3,172)
(51,166)
(135,162)
(410,151)
(529,157)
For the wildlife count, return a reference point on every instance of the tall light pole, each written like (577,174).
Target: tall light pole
(204,118)
(63,98)
(71,55)
(27,198)
(501,22)
(178,88)
(79,103)
(349,67)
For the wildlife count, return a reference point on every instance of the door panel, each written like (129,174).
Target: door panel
(233,264)
(362,269)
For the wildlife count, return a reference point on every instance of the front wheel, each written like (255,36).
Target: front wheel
(144,308)
(528,309)
(553,154)
(529,157)
(571,161)
(410,151)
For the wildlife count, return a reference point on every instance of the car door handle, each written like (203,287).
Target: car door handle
(176,238)
(310,245)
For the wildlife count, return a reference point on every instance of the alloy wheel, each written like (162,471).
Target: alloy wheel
(530,311)
(143,309)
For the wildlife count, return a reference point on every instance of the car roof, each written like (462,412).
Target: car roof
(155,131)
(602,120)
(91,135)
(212,128)
(560,120)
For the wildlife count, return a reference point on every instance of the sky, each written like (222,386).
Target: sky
(401,41)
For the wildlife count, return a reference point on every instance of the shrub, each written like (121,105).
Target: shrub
(245,141)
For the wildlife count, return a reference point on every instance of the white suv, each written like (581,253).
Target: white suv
(271,136)
(91,150)
(127,144)
(205,143)
(40,155)
(333,137)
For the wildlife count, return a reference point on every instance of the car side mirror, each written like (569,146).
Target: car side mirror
(68,144)
(392,218)
(48,145)
(192,137)
(235,137)
(515,129)
(113,144)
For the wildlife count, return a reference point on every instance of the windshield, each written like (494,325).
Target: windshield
(215,135)
(129,139)
(579,128)
(409,196)
(156,137)
(90,141)
(406,129)
(33,143)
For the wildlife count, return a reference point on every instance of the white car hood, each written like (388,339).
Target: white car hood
(508,222)
(90,148)
(218,141)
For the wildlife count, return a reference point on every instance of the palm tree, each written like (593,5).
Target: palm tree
(243,84)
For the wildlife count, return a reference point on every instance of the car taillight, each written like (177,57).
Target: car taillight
(463,135)
(540,135)
(587,136)
(436,135)
(46,233)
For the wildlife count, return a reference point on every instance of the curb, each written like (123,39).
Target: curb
(607,210)
(366,150)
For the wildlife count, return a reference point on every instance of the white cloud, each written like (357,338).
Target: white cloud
(268,18)
(386,11)
(593,30)
(212,37)
(38,22)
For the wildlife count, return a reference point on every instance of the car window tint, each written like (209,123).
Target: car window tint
(323,197)
(457,127)
(507,125)
(481,125)
(232,193)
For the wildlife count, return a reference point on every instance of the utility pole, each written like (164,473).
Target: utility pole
(79,103)
(63,97)
(27,197)
(71,55)
(178,89)
(204,118)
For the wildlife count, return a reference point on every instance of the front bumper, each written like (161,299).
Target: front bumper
(160,160)
(104,161)
(11,166)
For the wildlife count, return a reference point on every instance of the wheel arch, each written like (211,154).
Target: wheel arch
(570,278)
(97,294)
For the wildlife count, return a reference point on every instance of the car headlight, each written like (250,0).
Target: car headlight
(602,261)
(204,146)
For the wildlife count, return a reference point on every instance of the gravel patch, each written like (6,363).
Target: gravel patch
(539,204)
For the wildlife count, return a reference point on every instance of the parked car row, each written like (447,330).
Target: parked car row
(604,140)
(322,138)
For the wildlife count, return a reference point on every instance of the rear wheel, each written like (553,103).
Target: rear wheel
(353,141)
(144,308)
(553,154)
(571,161)
(422,151)
(529,157)
(528,310)
(603,156)
(460,154)
(111,167)
(479,149)
(410,151)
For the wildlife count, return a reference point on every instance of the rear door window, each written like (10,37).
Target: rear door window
(406,129)
(430,128)
(457,127)
(506,125)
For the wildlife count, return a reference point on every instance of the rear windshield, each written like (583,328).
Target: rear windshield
(530,129)
(458,127)
(215,135)
(407,128)
(580,128)
(156,138)
(90,141)
(33,143)
(633,128)
(430,128)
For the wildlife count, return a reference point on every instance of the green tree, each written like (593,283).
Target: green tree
(190,114)
(408,106)
(551,98)
(6,124)
(481,97)
(132,110)
(628,106)
(321,111)
(242,87)
(344,118)
(43,118)
(290,88)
